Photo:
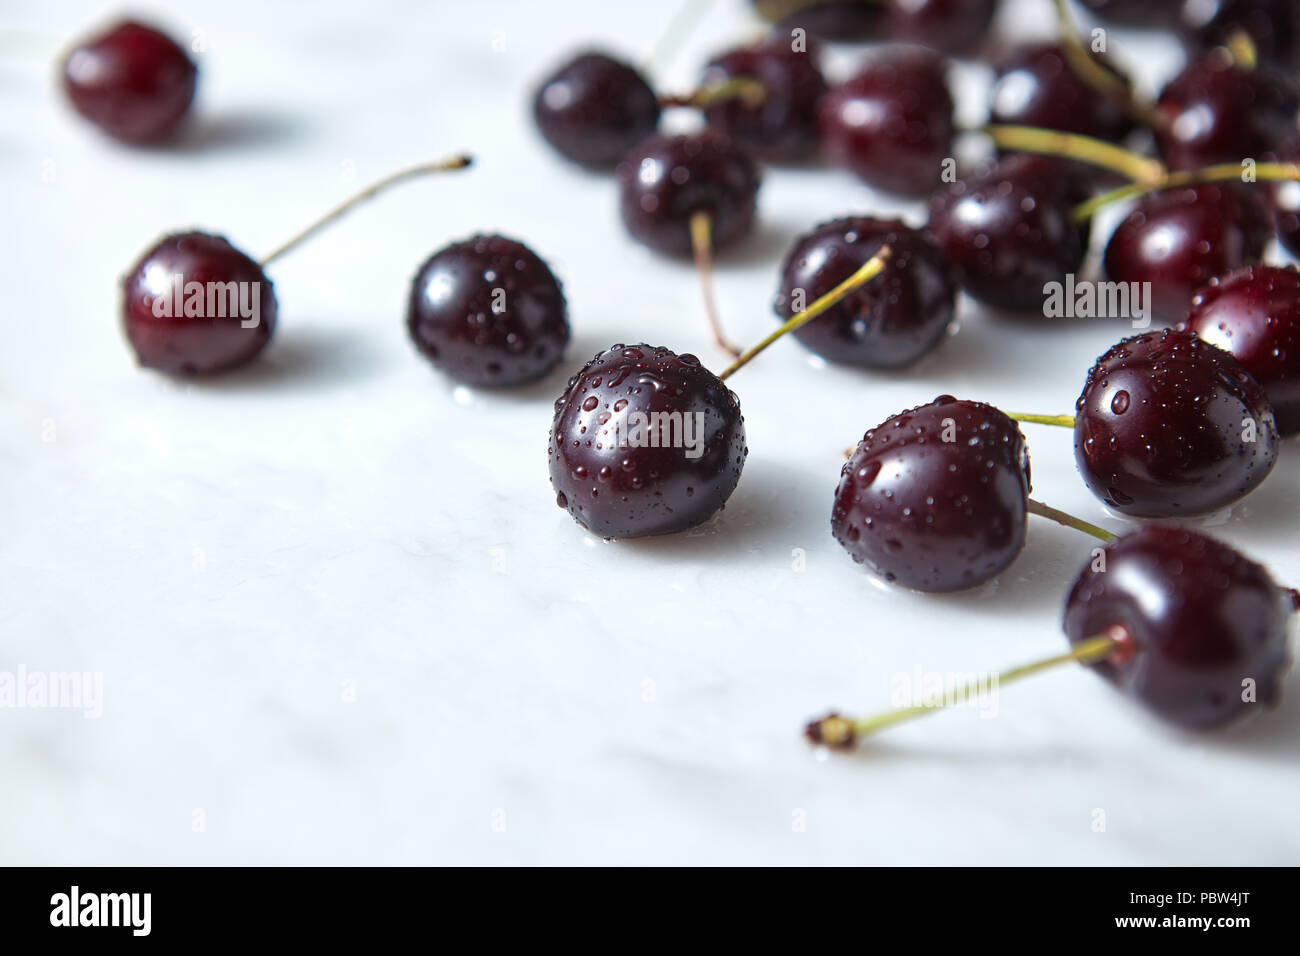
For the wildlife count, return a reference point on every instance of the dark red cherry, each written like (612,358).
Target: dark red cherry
(936,498)
(891,321)
(1216,112)
(667,179)
(1008,230)
(1036,86)
(194,305)
(1273,27)
(1210,627)
(892,123)
(783,126)
(131,81)
(594,109)
(1139,13)
(1180,238)
(952,27)
(488,311)
(1254,313)
(645,442)
(1170,425)
(1285,201)
(828,19)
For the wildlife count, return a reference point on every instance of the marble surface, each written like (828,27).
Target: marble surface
(337,614)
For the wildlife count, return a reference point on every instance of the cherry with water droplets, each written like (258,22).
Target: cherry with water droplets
(1180,238)
(645,442)
(892,123)
(132,81)
(1204,621)
(666,180)
(1254,313)
(1169,425)
(488,312)
(936,498)
(594,109)
(1009,229)
(1036,86)
(890,322)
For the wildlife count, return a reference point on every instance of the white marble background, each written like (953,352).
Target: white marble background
(338,615)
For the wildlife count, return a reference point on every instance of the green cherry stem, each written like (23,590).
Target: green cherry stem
(747,88)
(869,270)
(842,733)
(1085,149)
(1062,421)
(1225,172)
(1070,521)
(459,161)
(1082,63)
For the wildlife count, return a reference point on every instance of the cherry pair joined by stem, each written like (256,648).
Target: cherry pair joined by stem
(1181,623)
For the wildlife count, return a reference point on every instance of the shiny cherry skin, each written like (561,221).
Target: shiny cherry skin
(132,81)
(1285,201)
(1180,238)
(844,20)
(1254,313)
(1215,112)
(890,322)
(1036,86)
(594,109)
(1204,621)
(667,179)
(213,337)
(936,498)
(1273,27)
(892,123)
(645,442)
(951,27)
(1138,13)
(488,312)
(1008,230)
(1169,425)
(783,127)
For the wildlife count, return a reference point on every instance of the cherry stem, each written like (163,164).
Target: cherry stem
(1242,49)
(1087,68)
(842,733)
(701,225)
(459,161)
(1086,149)
(1063,421)
(1070,521)
(869,270)
(686,19)
(1269,172)
(747,88)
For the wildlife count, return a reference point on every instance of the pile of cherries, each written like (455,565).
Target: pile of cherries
(1171,423)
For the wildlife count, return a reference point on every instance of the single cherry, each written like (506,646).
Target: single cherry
(488,311)
(951,27)
(645,442)
(936,498)
(1180,238)
(1169,425)
(132,81)
(1009,229)
(888,323)
(892,123)
(1210,627)
(1036,86)
(1254,313)
(782,125)
(1218,112)
(594,109)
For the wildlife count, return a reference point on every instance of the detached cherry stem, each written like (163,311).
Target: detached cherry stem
(842,733)
(1082,63)
(869,270)
(1070,521)
(1224,172)
(459,161)
(701,226)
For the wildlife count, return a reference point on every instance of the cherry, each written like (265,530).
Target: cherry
(666,180)
(782,126)
(645,442)
(1036,86)
(594,109)
(1178,239)
(1216,112)
(1141,13)
(132,81)
(1168,424)
(952,27)
(1207,623)
(488,311)
(889,323)
(936,498)
(828,19)
(217,339)
(892,123)
(1254,313)
(1272,27)
(1286,202)
(1009,229)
